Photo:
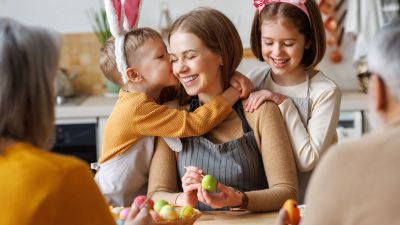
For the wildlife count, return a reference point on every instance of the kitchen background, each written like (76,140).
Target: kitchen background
(81,123)
(80,49)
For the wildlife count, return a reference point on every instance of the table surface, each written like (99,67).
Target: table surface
(231,218)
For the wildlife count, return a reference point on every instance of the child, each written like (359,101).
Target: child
(37,186)
(289,36)
(128,140)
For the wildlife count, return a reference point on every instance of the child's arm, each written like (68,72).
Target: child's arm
(152,119)
(309,143)
(259,97)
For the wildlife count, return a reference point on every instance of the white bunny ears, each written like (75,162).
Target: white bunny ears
(122,16)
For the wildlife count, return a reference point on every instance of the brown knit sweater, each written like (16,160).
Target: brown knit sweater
(276,151)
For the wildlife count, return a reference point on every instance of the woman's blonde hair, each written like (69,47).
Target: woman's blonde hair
(218,33)
(312,29)
(28,63)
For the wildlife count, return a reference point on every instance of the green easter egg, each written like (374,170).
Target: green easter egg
(159,204)
(209,183)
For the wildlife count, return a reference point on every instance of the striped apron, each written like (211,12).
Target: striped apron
(236,163)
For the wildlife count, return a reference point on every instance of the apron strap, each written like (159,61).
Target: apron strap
(238,107)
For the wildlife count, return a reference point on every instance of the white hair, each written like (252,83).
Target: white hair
(384,56)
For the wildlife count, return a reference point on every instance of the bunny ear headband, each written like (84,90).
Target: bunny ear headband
(122,16)
(260,4)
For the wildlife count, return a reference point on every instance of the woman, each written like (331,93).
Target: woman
(248,152)
(38,187)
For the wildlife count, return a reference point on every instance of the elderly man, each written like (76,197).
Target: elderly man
(359,182)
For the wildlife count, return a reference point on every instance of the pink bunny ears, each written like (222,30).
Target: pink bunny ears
(122,16)
(260,4)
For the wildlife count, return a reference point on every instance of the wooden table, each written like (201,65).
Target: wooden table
(231,218)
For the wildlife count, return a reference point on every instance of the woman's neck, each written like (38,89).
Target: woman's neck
(295,77)
(208,95)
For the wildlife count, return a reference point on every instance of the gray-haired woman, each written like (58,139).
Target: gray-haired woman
(38,187)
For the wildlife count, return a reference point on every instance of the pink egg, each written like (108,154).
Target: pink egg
(124,213)
(139,200)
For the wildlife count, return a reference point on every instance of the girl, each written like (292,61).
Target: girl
(38,187)
(289,36)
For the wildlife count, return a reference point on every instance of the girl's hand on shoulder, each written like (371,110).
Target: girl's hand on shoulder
(242,84)
(138,216)
(226,197)
(259,97)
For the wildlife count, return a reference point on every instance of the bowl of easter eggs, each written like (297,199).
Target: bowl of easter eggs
(175,215)
(161,211)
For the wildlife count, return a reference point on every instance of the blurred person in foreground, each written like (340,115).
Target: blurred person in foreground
(36,186)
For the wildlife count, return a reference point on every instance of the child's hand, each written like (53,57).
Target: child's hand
(242,84)
(226,197)
(139,216)
(258,97)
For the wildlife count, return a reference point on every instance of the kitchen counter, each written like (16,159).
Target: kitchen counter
(92,106)
(101,106)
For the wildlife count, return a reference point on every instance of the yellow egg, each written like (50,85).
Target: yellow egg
(187,212)
(169,213)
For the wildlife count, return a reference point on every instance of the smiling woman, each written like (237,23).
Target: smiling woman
(249,154)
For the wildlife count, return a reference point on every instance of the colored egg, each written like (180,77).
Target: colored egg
(120,222)
(159,204)
(169,213)
(187,212)
(155,216)
(139,200)
(117,210)
(209,183)
(124,213)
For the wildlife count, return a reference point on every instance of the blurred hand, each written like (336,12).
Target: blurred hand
(190,181)
(259,97)
(282,217)
(139,216)
(242,84)
(226,197)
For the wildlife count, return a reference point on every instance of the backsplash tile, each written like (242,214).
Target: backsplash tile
(80,53)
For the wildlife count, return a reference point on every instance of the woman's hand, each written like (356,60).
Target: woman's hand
(226,197)
(258,97)
(242,84)
(190,181)
(139,216)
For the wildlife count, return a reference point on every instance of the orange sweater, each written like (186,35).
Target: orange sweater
(136,115)
(38,187)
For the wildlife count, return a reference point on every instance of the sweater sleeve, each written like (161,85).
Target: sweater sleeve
(309,143)
(279,164)
(79,201)
(152,119)
(163,178)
